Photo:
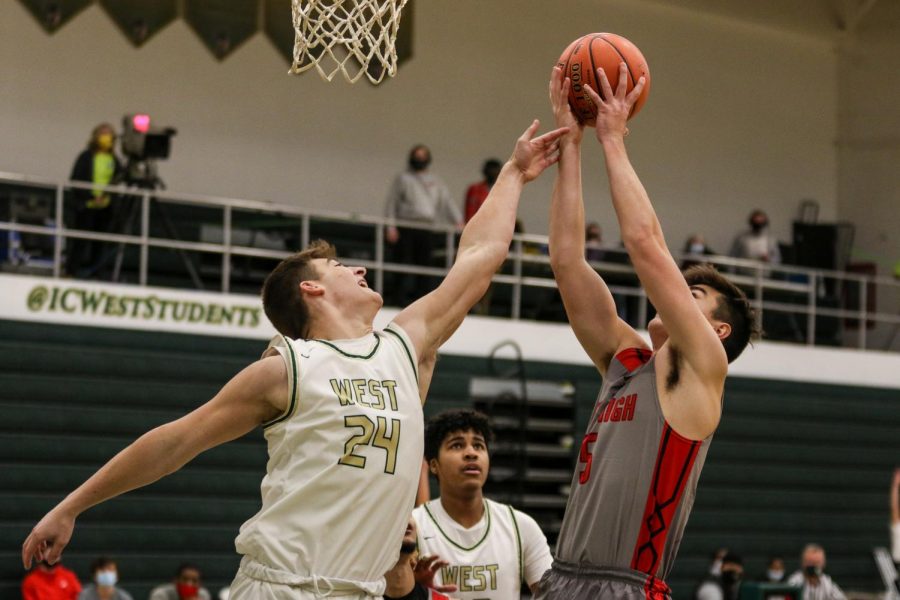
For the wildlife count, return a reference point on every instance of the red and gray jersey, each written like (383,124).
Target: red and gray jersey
(634,485)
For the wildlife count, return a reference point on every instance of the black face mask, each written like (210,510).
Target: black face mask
(408,547)
(418,165)
(812,571)
(758,226)
(729,578)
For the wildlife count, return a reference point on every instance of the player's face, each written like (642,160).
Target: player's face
(707,300)
(345,283)
(409,536)
(463,461)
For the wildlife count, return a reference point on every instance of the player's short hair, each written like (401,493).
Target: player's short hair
(101,562)
(450,421)
(281,295)
(734,308)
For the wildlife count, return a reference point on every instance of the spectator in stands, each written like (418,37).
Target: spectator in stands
(187,585)
(758,243)
(419,196)
(499,546)
(50,582)
(774,570)
(593,242)
(105,575)
(411,578)
(478,192)
(98,165)
(895,516)
(726,584)
(695,249)
(812,578)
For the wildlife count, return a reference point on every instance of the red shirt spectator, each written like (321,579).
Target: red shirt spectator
(478,192)
(50,583)
(475,197)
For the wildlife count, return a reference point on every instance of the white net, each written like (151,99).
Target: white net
(352,37)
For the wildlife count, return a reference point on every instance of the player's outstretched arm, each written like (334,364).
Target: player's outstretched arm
(589,304)
(688,329)
(254,396)
(482,249)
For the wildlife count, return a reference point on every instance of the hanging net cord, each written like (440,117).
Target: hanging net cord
(346,36)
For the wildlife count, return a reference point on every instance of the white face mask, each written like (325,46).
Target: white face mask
(774,575)
(107,578)
(697,248)
(716,568)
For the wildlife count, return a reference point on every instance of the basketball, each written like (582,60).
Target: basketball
(584,56)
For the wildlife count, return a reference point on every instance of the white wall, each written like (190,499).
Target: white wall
(870,147)
(739,116)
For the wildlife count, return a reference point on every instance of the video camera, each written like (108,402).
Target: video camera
(142,144)
(140,141)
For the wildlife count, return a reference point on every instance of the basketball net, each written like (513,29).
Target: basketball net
(353,37)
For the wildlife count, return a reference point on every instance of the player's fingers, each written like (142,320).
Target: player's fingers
(564,92)
(555,79)
(529,133)
(28,547)
(622,85)
(595,97)
(54,552)
(605,87)
(635,92)
(551,137)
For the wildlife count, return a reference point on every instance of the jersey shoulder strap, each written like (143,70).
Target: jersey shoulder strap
(512,515)
(285,349)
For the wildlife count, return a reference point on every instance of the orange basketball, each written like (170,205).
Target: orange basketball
(588,53)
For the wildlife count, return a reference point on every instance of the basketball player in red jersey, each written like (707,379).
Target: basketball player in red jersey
(641,457)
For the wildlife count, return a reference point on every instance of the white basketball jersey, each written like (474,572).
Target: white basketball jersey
(485,560)
(344,460)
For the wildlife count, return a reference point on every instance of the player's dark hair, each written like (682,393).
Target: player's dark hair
(101,562)
(451,421)
(281,295)
(734,308)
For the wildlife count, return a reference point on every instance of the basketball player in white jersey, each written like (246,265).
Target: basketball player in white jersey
(490,548)
(341,408)
(646,441)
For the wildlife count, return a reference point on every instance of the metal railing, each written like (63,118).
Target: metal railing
(226,230)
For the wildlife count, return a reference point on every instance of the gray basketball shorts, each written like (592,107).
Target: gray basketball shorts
(565,581)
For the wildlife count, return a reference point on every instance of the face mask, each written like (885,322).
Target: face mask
(774,575)
(730,577)
(107,578)
(697,248)
(186,590)
(812,571)
(408,547)
(758,226)
(105,142)
(716,568)
(418,165)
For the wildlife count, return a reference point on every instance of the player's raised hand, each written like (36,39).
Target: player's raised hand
(613,108)
(425,570)
(559,102)
(534,154)
(48,538)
